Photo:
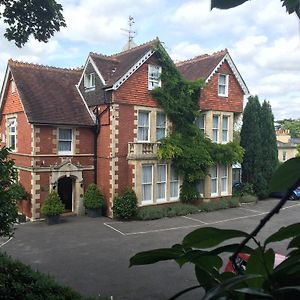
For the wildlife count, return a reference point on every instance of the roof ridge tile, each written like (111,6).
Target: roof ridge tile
(12,62)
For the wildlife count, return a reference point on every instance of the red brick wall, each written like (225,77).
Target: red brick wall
(209,99)
(135,89)
(126,129)
(12,101)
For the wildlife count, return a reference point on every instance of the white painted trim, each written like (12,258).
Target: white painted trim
(132,70)
(234,70)
(92,115)
(89,59)
(4,86)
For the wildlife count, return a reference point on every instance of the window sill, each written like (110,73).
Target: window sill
(65,153)
(222,95)
(89,89)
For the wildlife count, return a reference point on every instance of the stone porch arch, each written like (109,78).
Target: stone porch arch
(68,169)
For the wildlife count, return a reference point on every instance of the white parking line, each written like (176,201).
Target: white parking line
(256,211)
(202,224)
(6,242)
(113,228)
(196,220)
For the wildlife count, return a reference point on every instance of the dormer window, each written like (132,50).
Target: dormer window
(154,73)
(89,81)
(223,85)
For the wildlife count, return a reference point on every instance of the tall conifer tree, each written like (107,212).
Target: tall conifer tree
(269,144)
(251,142)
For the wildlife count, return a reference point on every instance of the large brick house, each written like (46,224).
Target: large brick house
(69,128)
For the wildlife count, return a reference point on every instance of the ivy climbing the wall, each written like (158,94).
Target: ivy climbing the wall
(191,153)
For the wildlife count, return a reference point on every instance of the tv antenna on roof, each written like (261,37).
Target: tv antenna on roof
(130,33)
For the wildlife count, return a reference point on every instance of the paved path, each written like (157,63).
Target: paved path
(92,255)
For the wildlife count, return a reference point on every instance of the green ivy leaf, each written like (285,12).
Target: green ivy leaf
(208,237)
(260,263)
(284,233)
(153,256)
(285,175)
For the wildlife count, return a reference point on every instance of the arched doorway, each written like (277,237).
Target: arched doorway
(65,191)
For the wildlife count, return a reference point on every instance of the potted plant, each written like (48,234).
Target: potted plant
(18,193)
(52,208)
(93,201)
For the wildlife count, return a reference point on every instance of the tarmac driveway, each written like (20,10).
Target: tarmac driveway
(92,255)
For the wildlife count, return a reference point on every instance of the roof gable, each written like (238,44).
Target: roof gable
(205,66)
(49,94)
(117,68)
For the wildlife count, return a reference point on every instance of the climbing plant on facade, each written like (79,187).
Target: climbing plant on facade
(192,153)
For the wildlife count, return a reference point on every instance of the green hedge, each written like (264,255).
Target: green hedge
(18,281)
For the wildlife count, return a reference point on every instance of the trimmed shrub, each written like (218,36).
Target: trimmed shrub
(234,202)
(93,197)
(19,281)
(53,205)
(247,198)
(181,209)
(125,206)
(150,213)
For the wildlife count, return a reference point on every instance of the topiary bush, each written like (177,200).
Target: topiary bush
(19,281)
(53,205)
(125,206)
(181,209)
(93,197)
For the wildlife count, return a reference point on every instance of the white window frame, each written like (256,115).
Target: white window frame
(12,123)
(69,152)
(174,181)
(164,199)
(164,127)
(215,129)
(154,82)
(202,129)
(90,80)
(225,129)
(143,127)
(215,179)
(147,183)
(223,85)
(224,176)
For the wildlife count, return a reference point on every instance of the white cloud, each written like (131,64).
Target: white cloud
(185,50)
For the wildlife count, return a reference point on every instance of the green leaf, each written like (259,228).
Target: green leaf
(205,278)
(226,4)
(208,237)
(229,284)
(230,248)
(285,175)
(283,290)
(256,293)
(294,243)
(153,256)
(260,263)
(284,233)
(291,264)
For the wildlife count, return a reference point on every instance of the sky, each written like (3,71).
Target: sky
(262,39)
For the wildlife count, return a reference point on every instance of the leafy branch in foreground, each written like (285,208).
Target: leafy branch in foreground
(40,18)
(261,278)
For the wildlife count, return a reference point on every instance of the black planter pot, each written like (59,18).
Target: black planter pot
(51,220)
(94,213)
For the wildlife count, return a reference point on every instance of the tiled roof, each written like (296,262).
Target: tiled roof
(49,95)
(113,67)
(200,66)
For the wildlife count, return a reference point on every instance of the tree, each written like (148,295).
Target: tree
(251,141)
(8,209)
(269,144)
(292,6)
(292,125)
(40,18)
